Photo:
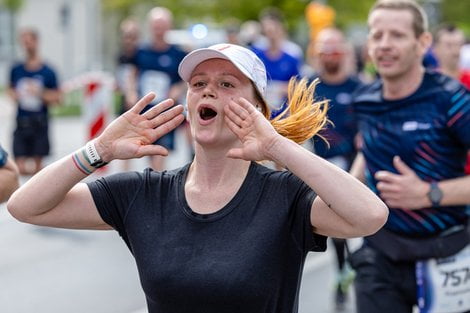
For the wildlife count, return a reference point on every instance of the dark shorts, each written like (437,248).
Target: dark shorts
(167,141)
(31,136)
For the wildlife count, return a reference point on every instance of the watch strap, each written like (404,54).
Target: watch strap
(435,194)
(92,155)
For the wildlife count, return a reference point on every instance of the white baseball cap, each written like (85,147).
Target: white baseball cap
(244,59)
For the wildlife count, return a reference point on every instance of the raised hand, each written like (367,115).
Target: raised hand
(252,128)
(404,190)
(132,134)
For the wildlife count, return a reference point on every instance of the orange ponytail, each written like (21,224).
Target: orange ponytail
(303,118)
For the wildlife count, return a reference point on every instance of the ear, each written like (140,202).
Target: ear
(425,42)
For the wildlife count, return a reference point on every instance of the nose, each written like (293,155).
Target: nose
(209,92)
(384,42)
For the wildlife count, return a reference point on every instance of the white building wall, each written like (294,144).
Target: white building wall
(72,46)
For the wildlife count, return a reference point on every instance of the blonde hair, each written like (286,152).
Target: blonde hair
(420,19)
(304,117)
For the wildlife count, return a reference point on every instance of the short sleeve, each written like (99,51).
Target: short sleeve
(113,196)
(300,198)
(51,81)
(12,77)
(459,115)
(3,157)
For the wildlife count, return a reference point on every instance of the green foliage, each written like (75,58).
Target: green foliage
(347,12)
(351,12)
(456,12)
(12,5)
(188,11)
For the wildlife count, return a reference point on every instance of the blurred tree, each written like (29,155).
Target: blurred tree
(187,11)
(12,5)
(456,12)
(351,12)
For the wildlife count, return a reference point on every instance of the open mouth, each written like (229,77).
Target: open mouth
(207,113)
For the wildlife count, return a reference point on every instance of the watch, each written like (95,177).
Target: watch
(435,194)
(95,159)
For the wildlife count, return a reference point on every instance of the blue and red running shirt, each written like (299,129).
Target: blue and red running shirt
(430,131)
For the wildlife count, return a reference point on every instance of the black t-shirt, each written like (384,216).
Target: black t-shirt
(246,257)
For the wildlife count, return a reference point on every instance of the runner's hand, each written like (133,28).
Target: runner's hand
(252,128)
(404,190)
(132,134)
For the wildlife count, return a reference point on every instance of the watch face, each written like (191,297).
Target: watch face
(435,194)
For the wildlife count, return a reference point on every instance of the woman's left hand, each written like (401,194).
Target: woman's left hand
(252,128)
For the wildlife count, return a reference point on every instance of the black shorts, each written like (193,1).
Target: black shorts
(31,137)
(382,285)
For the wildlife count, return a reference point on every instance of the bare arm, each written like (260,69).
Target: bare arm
(358,167)
(12,93)
(52,96)
(345,207)
(407,191)
(8,180)
(130,89)
(54,196)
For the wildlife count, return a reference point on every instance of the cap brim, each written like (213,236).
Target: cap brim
(189,62)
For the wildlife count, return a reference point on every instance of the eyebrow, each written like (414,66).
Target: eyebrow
(205,74)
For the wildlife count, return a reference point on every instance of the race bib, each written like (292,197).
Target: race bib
(444,284)
(157,82)
(29,92)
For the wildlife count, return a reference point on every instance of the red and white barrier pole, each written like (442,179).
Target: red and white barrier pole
(97,102)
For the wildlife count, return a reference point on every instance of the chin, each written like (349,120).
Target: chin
(212,140)
(390,73)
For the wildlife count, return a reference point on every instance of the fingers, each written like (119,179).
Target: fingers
(171,122)
(232,116)
(387,176)
(235,153)
(238,109)
(248,106)
(151,150)
(401,166)
(391,203)
(235,128)
(167,115)
(384,187)
(159,108)
(140,105)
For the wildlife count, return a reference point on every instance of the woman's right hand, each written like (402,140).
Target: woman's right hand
(132,134)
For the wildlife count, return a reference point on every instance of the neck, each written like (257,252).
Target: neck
(333,78)
(452,72)
(274,47)
(399,87)
(159,44)
(33,62)
(212,169)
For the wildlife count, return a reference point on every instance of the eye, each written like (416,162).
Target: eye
(227,85)
(198,84)
(397,35)
(376,36)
